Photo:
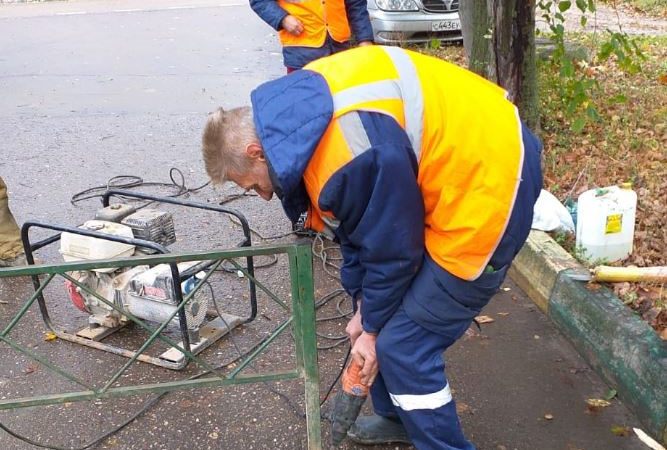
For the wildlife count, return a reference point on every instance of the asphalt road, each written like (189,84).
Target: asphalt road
(94,89)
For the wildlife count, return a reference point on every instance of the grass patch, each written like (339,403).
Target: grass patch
(627,143)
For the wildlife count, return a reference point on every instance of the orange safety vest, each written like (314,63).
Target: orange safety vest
(318,17)
(465,134)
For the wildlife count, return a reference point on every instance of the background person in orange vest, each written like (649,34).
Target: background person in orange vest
(428,179)
(311,29)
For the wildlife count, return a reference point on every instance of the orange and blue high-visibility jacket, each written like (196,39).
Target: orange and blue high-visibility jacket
(401,154)
(328,26)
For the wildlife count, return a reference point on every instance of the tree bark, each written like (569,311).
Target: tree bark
(476,26)
(514,51)
(499,40)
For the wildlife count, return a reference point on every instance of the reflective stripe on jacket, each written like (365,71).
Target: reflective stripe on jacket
(466,136)
(318,17)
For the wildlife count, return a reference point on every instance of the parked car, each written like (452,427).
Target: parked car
(412,21)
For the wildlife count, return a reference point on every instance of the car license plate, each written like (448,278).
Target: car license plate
(446,25)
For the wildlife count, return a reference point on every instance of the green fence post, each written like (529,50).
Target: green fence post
(303,299)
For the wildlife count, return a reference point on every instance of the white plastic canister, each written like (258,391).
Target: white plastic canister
(606,222)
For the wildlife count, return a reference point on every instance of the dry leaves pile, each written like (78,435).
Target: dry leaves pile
(629,143)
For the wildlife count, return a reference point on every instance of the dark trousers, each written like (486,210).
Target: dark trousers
(412,384)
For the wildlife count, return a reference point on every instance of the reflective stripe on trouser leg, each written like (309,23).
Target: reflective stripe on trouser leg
(413,371)
(382,404)
(10,237)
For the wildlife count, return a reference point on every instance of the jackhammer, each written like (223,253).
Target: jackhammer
(348,402)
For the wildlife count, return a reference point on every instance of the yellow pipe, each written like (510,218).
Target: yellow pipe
(620,274)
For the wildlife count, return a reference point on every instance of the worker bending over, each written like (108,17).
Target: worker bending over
(427,177)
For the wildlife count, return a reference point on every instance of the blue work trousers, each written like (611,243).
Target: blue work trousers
(412,384)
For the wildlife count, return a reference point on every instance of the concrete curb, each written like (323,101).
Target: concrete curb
(624,350)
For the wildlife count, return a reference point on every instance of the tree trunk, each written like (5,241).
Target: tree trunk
(476,26)
(514,51)
(499,39)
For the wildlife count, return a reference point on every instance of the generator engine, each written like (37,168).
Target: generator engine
(146,292)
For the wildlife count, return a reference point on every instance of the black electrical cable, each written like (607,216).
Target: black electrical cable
(340,373)
(227,269)
(318,304)
(133,181)
(341,314)
(324,257)
(289,401)
(232,197)
(147,405)
(152,401)
(322,254)
(339,339)
(257,233)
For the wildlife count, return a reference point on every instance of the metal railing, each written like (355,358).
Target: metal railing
(301,321)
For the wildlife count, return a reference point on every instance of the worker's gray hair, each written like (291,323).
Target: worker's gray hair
(225,137)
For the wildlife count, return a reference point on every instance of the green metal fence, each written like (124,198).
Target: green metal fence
(301,321)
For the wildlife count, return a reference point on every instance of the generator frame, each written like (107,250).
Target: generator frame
(92,337)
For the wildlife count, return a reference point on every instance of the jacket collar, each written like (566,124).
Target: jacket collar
(291,114)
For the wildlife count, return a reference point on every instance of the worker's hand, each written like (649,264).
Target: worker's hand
(353,328)
(363,353)
(292,25)
(365,43)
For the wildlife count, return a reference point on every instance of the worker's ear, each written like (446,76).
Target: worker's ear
(254,150)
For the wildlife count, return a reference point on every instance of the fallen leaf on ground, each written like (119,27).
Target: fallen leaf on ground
(30,368)
(484,319)
(592,410)
(503,314)
(50,336)
(662,79)
(651,315)
(470,333)
(2,302)
(185,403)
(462,407)
(593,286)
(598,402)
(621,431)
(67,404)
